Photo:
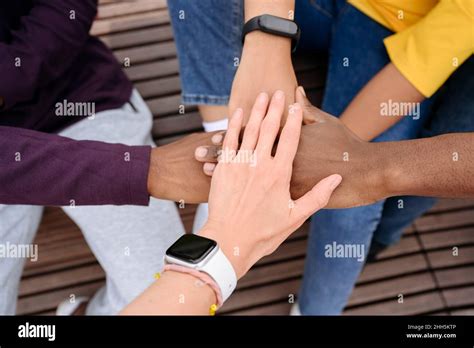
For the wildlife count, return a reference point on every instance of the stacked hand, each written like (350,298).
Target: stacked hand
(326,146)
(250,208)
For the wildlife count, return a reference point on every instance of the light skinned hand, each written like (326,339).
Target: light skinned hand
(250,209)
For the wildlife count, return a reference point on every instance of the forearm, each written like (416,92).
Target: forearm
(280,46)
(380,104)
(441,166)
(280,8)
(173,294)
(46,169)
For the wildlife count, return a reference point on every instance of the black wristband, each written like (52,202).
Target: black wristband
(275,26)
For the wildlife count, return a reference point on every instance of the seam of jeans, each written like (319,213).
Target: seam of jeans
(195,99)
(237,23)
(320,9)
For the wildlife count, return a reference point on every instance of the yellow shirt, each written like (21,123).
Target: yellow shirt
(432,37)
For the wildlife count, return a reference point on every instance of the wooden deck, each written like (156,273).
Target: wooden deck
(421,267)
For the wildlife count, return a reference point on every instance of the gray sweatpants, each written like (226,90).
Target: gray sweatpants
(128,241)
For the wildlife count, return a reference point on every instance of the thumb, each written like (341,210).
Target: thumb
(300,97)
(311,114)
(318,197)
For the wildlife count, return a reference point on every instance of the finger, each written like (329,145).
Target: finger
(311,114)
(208,168)
(253,126)
(317,198)
(231,140)
(271,124)
(207,153)
(289,137)
(218,138)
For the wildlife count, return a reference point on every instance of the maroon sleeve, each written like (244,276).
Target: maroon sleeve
(47,169)
(47,42)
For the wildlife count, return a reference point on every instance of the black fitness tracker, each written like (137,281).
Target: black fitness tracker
(273,25)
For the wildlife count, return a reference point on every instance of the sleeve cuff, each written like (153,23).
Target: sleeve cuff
(138,175)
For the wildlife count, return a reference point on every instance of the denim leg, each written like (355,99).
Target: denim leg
(208,39)
(399,213)
(328,282)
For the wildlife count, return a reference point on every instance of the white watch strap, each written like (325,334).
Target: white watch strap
(220,269)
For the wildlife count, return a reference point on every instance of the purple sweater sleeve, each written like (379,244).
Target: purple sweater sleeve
(49,39)
(47,169)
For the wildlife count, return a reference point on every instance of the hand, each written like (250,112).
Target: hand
(250,209)
(175,175)
(265,66)
(326,146)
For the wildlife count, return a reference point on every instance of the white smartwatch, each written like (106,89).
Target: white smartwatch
(204,255)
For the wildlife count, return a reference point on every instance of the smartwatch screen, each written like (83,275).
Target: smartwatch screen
(191,248)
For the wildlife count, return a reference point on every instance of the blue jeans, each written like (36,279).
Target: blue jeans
(209,44)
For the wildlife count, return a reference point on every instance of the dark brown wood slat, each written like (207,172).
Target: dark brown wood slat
(152,70)
(74,253)
(123,8)
(393,267)
(445,258)
(50,300)
(466,311)
(459,297)
(443,221)
(451,204)
(455,276)
(61,279)
(167,105)
(138,37)
(166,126)
(136,21)
(260,295)
(147,53)
(446,239)
(412,305)
(407,245)
(159,87)
(272,273)
(390,289)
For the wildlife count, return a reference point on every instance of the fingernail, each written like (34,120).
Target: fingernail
(209,167)
(335,181)
(301,89)
(294,107)
(217,139)
(201,152)
(237,113)
(262,98)
(291,109)
(279,95)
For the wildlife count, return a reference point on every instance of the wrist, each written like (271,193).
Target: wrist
(267,43)
(384,174)
(192,285)
(156,183)
(237,259)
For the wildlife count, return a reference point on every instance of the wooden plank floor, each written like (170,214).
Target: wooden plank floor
(421,267)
